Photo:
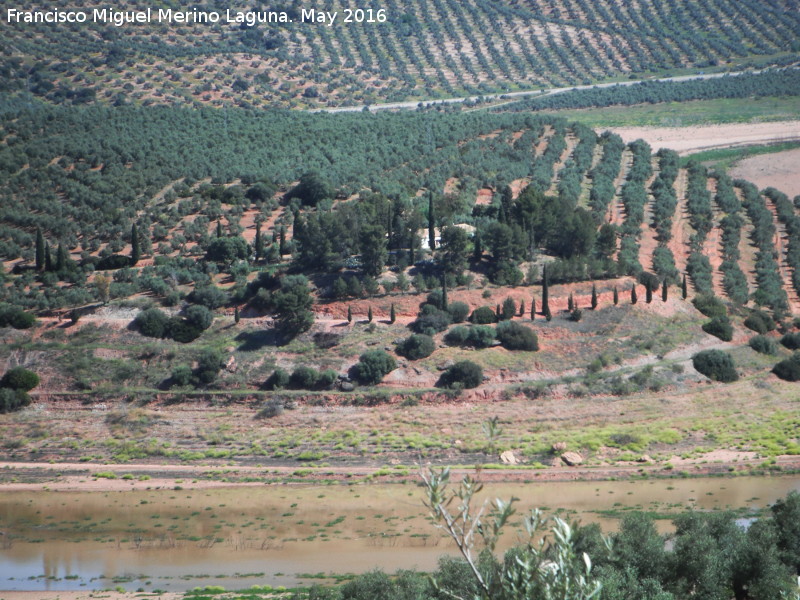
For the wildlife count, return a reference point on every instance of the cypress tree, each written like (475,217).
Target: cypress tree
(664,291)
(369,314)
(684,288)
(236,316)
(219,228)
(477,252)
(392,314)
(39,250)
(648,293)
(570,303)
(135,249)
(497,312)
(533,309)
(634,298)
(349,314)
(61,258)
(282,242)
(545,293)
(616,296)
(259,242)
(48,257)
(522,308)
(431,223)
(594,296)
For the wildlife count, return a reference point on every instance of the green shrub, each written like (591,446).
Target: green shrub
(304,378)
(181,375)
(209,296)
(462,375)
(514,336)
(791,341)
(477,336)
(431,320)
(509,309)
(20,379)
(719,327)
(789,369)
(209,364)
(327,378)
(457,336)
(372,366)
(458,311)
(15,317)
(11,400)
(480,336)
(198,316)
(709,305)
(416,346)
(716,365)
(763,344)
(180,330)
(435,298)
(759,321)
(483,315)
(278,380)
(151,322)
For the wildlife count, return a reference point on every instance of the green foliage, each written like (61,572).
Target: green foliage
(227,249)
(788,369)
(151,322)
(431,320)
(719,327)
(709,305)
(198,316)
(791,341)
(209,296)
(181,375)
(483,315)
(459,311)
(292,305)
(786,514)
(462,375)
(763,345)
(509,309)
(311,189)
(20,378)
(373,365)
(514,336)
(716,365)
(278,380)
(209,364)
(15,317)
(416,346)
(304,378)
(12,400)
(759,321)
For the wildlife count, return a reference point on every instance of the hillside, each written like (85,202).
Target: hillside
(424,49)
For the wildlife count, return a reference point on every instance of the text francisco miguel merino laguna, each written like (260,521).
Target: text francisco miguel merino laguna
(167,15)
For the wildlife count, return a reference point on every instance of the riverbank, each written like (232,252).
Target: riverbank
(105,477)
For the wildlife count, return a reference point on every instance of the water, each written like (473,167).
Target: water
(280,534)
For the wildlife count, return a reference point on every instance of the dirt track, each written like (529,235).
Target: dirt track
(687,140)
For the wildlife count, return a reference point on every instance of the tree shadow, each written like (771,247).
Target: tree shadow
(250,341)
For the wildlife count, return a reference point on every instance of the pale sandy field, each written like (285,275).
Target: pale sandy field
(686,140)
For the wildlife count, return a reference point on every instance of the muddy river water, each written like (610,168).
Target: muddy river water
(235,537)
